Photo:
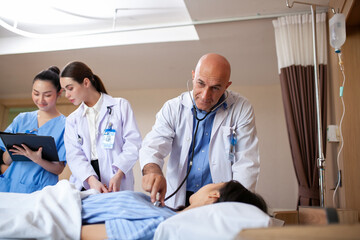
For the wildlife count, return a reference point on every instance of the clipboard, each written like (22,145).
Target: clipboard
(33,141)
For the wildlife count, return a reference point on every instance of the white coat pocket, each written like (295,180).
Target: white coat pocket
(225,133)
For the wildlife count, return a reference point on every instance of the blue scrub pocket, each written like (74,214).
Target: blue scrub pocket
(25,188)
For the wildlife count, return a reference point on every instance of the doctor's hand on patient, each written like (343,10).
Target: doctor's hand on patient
(115,181)
(94,183)
(154,182)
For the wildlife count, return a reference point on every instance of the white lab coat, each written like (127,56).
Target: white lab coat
(172,134)
(124,153)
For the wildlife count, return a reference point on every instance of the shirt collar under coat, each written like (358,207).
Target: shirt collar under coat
(187,102)
(107,101)
(96,107)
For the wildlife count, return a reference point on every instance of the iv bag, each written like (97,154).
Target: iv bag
(337,31)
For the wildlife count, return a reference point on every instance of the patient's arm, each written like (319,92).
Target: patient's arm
(93,232)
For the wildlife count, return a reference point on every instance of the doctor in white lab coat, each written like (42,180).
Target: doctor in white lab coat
(174,128)
(102,130)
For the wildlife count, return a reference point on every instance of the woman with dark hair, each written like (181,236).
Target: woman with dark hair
(101,137)
(235,192)
(131,215)
(30,176)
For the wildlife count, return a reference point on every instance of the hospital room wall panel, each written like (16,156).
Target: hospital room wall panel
(3,116)
(351,131)
(65,107)
(6,104)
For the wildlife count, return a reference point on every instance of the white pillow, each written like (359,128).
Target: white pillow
(216,221)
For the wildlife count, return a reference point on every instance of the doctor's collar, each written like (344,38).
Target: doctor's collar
(96,107)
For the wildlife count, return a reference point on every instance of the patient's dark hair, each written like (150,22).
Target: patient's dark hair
(233,191)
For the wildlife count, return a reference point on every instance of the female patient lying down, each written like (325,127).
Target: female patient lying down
(131,215)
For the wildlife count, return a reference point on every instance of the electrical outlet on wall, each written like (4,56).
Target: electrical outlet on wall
(333,134)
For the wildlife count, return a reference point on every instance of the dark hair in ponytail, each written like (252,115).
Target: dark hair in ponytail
(52,75)
(79,71)
(234,191)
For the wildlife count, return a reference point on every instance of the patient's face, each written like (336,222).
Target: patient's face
(208,194)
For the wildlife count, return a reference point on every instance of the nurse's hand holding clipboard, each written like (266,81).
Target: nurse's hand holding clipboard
(36,157)
(23,150)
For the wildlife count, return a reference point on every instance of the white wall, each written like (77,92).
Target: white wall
(277,182)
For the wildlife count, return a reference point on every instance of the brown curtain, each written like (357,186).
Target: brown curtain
(298,92)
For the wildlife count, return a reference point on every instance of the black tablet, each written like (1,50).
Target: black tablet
(33,141)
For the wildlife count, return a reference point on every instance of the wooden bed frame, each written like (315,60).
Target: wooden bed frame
(309,223)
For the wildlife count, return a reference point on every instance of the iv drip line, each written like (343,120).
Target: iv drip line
(341,65)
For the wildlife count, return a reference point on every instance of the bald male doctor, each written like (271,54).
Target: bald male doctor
(209,133)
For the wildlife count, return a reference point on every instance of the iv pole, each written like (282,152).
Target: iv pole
(321,159)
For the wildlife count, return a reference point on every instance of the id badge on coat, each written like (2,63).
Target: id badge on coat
(109,138)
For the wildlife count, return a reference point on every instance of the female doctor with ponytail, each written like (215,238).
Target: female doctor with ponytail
(102,139)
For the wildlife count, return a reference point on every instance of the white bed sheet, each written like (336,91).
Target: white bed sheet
(52,213)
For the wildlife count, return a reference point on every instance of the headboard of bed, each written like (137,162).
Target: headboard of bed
(317,216)
(309,223)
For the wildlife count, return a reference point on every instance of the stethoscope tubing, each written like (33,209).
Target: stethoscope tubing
(191,159)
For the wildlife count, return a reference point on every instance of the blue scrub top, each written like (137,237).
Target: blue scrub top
(27,176)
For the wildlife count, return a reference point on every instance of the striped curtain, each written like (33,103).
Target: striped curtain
(293,37)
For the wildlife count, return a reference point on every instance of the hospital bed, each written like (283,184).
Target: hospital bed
(56,214)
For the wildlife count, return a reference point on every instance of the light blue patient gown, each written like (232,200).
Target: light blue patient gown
(27,176)
(126,214)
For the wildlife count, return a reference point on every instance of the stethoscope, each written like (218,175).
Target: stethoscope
(194,110)
(108,125)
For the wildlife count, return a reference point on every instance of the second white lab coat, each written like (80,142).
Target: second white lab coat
(172,134)
(124,153)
